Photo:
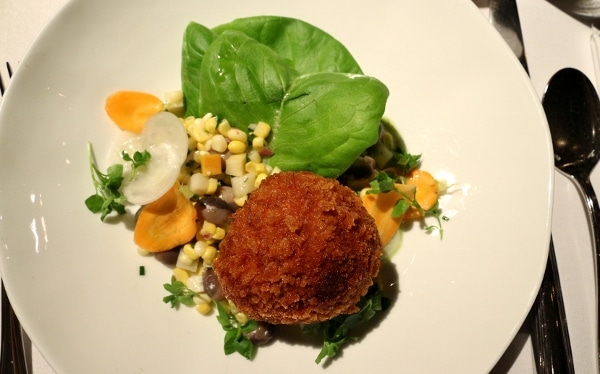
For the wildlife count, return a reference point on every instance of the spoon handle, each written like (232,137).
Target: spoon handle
(591,204)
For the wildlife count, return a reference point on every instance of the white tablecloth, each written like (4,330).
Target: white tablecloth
(553,40)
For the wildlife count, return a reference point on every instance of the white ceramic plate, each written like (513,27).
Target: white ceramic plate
(458,97)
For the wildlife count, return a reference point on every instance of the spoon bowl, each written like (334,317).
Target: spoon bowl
(573,111)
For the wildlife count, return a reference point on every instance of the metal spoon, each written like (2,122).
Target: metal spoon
(573,111)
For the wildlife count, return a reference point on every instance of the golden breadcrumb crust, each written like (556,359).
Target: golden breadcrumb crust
(303,249)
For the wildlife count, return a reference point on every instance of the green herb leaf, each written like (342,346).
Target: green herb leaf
(407,162)
(336,331)
(382,183)
(179,294)
(320,122)
(302,46)
(107,198)
(294,76)
(400,207)
(235,333)
(139,158)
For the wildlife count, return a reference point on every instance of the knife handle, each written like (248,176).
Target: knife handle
(549,332)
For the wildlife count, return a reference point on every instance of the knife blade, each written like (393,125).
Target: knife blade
(547,318)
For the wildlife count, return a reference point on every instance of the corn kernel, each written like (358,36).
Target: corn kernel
(262,129)
(258,143)
(189,251)
(237,134)
(202,146)
(241,318)
(259,178)
(213,184)
(224,127)
(210,125)
(219,234)
(237,147)
(192,143)
(208,229)
(254,156)
(209,255)
(180,275)
(240,201)
(198,133)
(204,308)
(200,247)
(219,143)
(256,167)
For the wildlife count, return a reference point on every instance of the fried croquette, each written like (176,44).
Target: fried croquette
(303,249)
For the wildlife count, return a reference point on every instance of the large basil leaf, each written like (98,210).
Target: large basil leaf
(321,122)
(326,121)
(196,40)
(243,80)
(305,47)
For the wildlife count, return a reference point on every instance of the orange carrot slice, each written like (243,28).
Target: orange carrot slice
(131,109)
(380,207)
(166,223)
(427,191)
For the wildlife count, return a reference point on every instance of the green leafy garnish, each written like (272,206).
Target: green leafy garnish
(323,112)
(107,198)
(138,160)
(384,182)
(336,332)
(407,162)
(235,333)
(179,294)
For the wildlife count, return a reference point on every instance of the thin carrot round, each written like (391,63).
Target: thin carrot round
(131,109)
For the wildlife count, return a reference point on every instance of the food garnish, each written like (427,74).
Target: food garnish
(266,99)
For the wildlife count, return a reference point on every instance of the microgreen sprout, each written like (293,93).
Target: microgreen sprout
(235,333)
(384,182)
(138,160)
(108,197)
(179,294)
(336,331)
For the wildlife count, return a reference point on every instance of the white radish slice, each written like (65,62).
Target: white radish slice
(166,139)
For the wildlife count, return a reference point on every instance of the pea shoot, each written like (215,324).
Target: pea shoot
(180,294)
(235,333)
(336,331)
(108,196)
(138,160)
(236,339)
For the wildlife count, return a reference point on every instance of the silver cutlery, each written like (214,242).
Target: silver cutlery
(573,111)
(547,319)
(12,350)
